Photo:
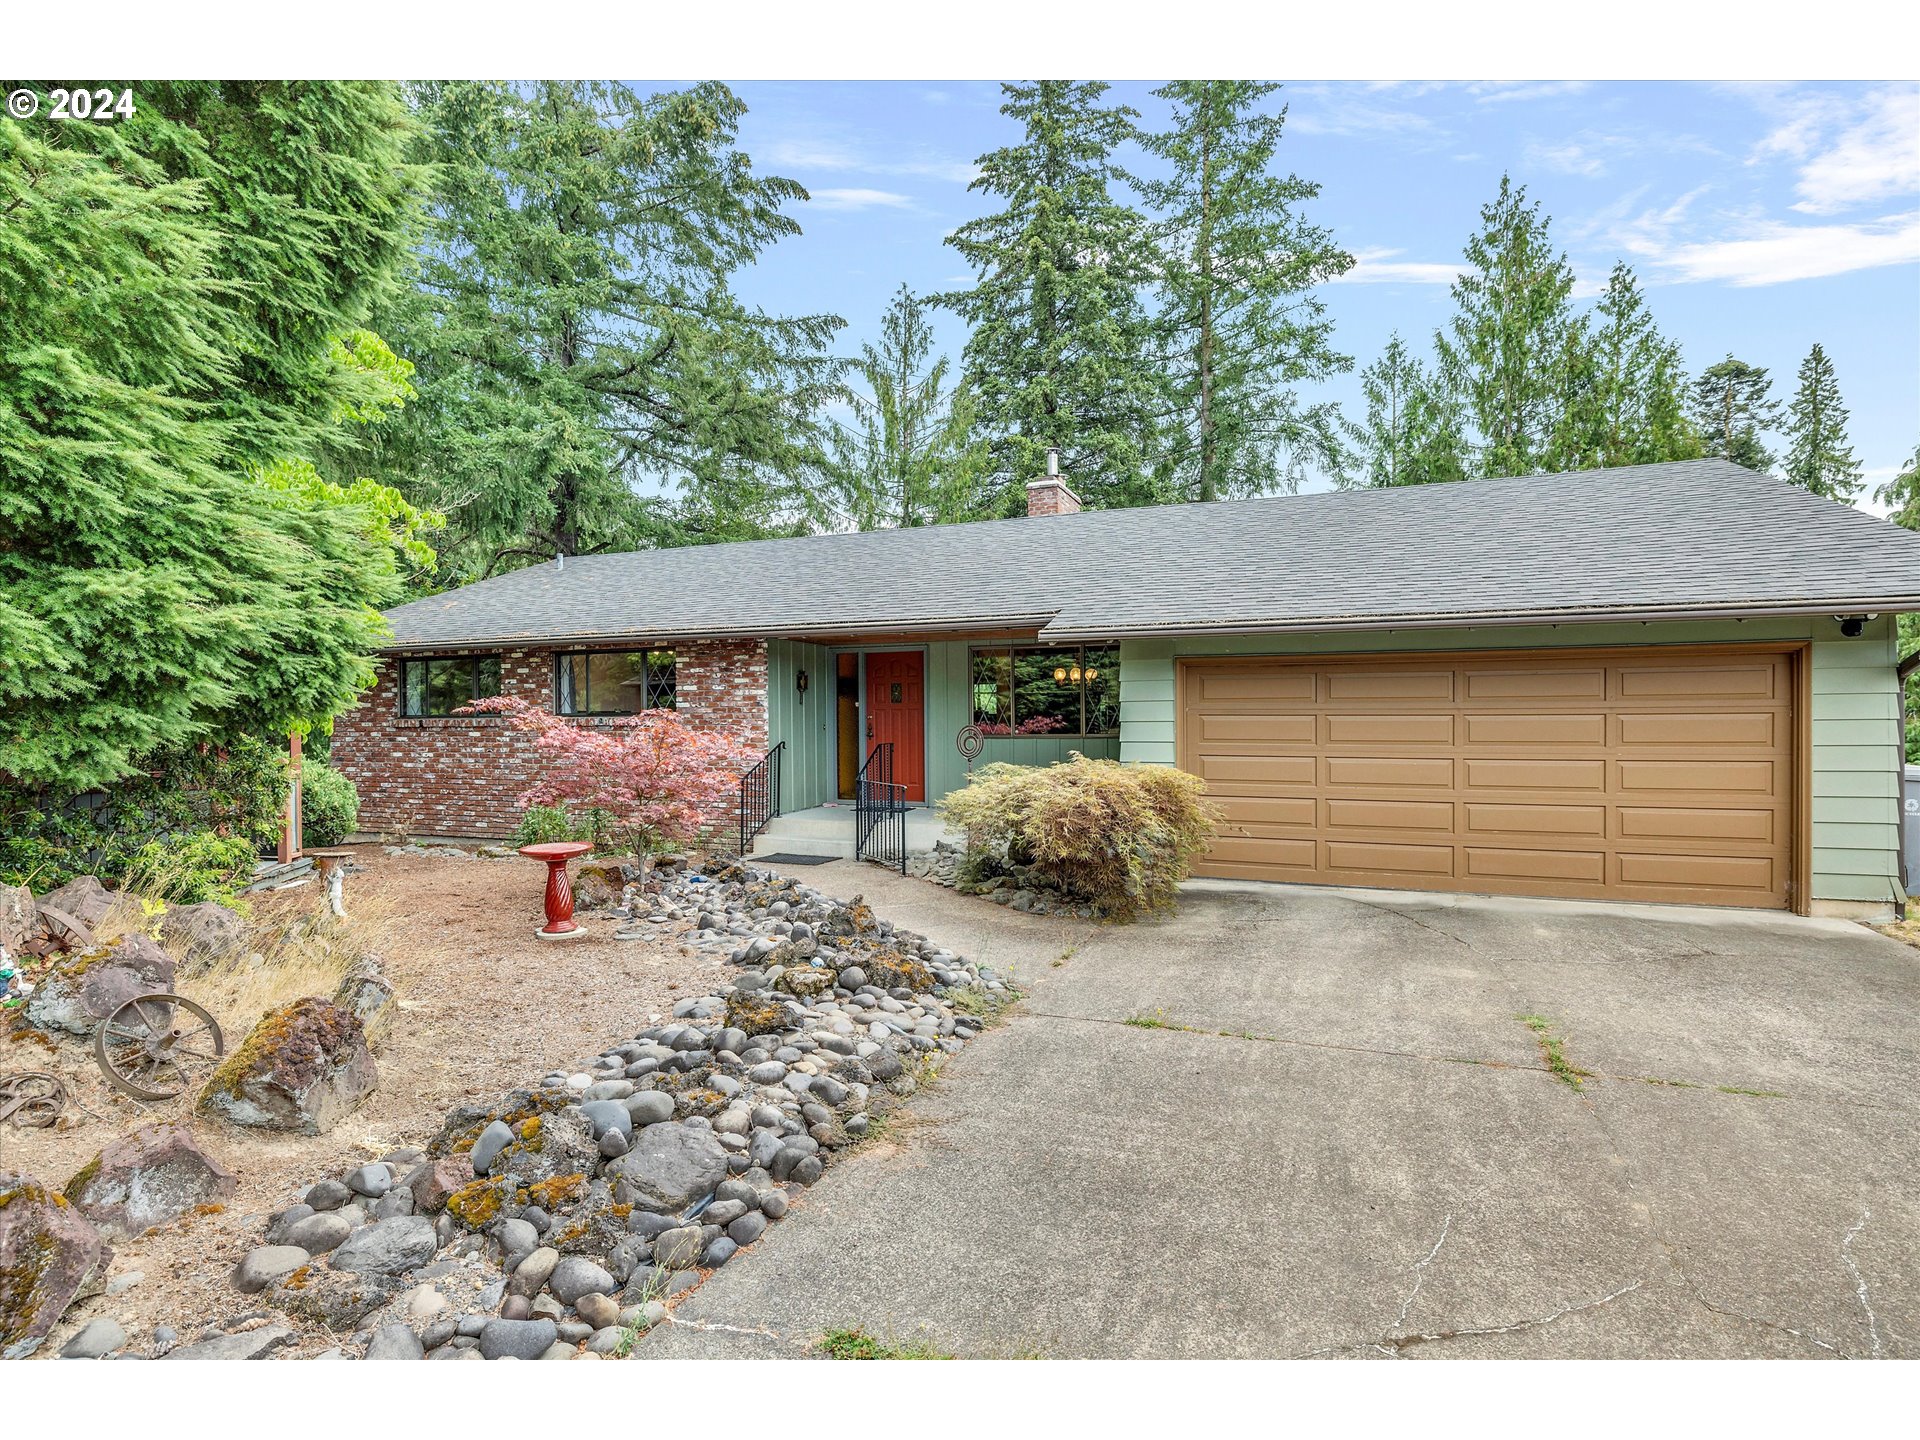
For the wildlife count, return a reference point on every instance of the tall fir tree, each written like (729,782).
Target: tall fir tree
(1627,402)
(1506,349)
(578,343)
(1733,409)
(1059,351)
(911,456)
(160,585)
(1412,434)
(313,214)
(1818,455)
(1901,494)
(1238,324)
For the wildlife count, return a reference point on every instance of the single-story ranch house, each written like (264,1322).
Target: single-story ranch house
(1663,683)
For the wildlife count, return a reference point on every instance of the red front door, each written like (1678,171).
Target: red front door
(897,712)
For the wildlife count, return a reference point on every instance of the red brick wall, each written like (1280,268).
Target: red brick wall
(463,775)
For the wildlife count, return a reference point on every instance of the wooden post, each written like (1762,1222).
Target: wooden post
(290,828)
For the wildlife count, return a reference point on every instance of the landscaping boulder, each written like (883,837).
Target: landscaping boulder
(387,1247)
(365,992)
(83,897)
(206,931)
(151,1177)
(598,882)
(669,1167)
(336,1299)
(19,918)
(80,990)
(549,1147)
(50,1256)
(303,1067)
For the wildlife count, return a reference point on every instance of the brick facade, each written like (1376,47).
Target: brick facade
(463,775)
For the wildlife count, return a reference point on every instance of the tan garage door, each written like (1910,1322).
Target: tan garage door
(1637,776)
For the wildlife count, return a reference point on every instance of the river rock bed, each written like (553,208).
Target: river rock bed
(1021,888)
(566,1219)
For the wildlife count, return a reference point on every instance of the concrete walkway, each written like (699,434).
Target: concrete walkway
(1373,1159)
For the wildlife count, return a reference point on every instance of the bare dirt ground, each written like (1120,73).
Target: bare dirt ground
(481,1006)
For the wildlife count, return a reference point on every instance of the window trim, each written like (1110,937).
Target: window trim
(561,657)
(474,660)
(1009,650)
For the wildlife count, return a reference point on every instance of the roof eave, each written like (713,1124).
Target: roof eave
(1034,622)
(1899,604)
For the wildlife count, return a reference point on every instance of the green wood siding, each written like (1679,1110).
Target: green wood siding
(805,723)
(1855,721)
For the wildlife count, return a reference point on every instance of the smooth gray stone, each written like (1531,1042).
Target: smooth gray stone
(101,1335)
(519,1339)
(495,1138)
(267,1265)
(395,1342)
(388,1247)
(248,1345)
(317,1234)
(575,1275)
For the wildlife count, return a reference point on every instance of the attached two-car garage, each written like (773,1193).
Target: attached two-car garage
(1652,774)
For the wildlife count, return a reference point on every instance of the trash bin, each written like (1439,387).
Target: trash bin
(1910,827)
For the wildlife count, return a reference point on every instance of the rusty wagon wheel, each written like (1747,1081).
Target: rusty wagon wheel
(155,1046)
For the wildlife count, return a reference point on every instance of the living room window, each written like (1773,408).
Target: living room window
(613,682)
(1046,689)
(443,684)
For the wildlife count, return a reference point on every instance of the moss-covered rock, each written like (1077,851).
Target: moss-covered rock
(805,981)
(894,969)
(302,1068)
(50,1256)
(82,988)
(756,1012)
(151,1177)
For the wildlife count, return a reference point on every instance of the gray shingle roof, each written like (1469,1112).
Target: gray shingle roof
(1698,537)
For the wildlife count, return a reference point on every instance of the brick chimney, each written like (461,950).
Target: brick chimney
(1049,494)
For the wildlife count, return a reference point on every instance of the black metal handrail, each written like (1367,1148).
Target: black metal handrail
(760,796)
(880,812)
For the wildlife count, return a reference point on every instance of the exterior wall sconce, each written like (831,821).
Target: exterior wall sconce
(800,684)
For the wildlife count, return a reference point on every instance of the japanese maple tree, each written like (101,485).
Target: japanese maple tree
(657,781)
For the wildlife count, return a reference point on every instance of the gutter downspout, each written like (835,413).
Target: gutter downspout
(1905,668)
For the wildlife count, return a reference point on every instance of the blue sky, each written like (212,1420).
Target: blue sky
(1761,217)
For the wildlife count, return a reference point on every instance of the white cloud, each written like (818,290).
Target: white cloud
(818,154)
(1772,252)
(858,199)
(1872,159)
(1338,110)
(1378,267)
(1568,157)
(1491,92)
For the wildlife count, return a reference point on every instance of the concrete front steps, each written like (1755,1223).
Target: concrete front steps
(828,830)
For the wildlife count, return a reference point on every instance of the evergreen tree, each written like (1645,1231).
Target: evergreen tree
(1818,455)
(1507,347)
(1732,407)
(1238,323)
(1412,433)
(1902,493)
(1630,408)
(155,589)
(577,341)
(311,215)
(911,457)
(1058,355)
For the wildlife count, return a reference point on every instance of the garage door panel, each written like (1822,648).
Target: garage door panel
(1387,771)
(1701,872)
(1266,771)
(1266,728)
(1643,822)
(1758,728)
(1661,775)
(1257,810)
(1262,683)
(1586,821)
(1390,859)
(1545,683)
(1347,814)
(1536,774)
(1501,863)
(1721,777)
(1389,685)
(1757,681)
(1494,728)
(1394,730)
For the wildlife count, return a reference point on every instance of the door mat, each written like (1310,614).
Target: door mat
(793,859)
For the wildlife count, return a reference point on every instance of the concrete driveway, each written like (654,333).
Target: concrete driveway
(1357,1148)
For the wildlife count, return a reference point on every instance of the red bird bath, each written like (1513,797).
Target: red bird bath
(559,924)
